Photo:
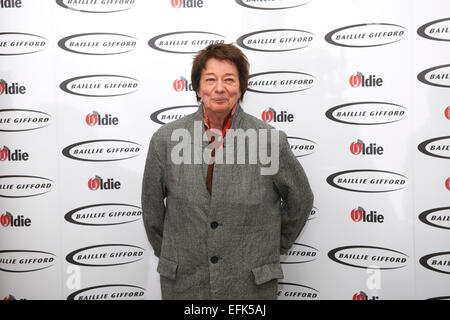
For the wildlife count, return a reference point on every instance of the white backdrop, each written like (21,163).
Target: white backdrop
(365,84)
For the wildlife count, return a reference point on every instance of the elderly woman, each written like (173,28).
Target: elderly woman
(219,227)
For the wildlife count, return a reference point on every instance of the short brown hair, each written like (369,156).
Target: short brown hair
(220,51)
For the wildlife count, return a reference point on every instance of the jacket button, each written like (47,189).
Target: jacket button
(214,224)
(214,260)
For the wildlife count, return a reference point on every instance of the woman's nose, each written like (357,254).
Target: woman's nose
(219,86)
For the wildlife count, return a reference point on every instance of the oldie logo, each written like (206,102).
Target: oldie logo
(366,35)
(96,119)
(270,115)
(294,291)
(102,150)
(447,112)
(359,80)
(109,292)
(102,85)
(98,43)
(19,261)
(16,120)
(276,40)
(170,114)
(97,6)
(300,253)
(18,43)
(437,217)
(360,215)
(437,147)
(11,88)
(98,183)
(438,76)
(367,180)
(14,155)
(106,255)
(301,147)
(367,113)
(438,262)
(10,4)
(436,30)
(8,220)
(182,84)
(24,186)
(367,257)
(277,82)
(273,4)
(359,147)
(104,214)
(187,42)
(190,4)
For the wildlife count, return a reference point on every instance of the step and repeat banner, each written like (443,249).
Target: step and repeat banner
(361,88)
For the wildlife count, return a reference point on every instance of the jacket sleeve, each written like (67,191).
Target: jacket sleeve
(152,197)
(296,195)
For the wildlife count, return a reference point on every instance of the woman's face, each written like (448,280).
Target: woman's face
(219,86)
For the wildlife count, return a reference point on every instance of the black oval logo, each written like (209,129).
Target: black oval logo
(301,147)
(367,180)
(437,262)
(437,217)
(185,42)
(109,292)
(19,43)
(276,40)
(366,113)
(438,30)
(96,6)
(170,114)
(20,261)
(104,150)
(438,76)
(17,120)
(104,214)
(101,85)
(99,44)
(278,82)
(21,186)
(436,148)
(273,4)
(366,35)
(367,257)
(106,255)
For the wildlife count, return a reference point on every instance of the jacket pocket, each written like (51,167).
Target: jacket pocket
(167,268)
(267,272)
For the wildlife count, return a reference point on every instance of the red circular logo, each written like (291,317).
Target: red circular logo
(356,148)
(447,112)
(267,116)
(3,154)
(356,215)
(355,80)
(91,119)
(5,220)
(94,183)
(447,183)
(176,3)
(178,85)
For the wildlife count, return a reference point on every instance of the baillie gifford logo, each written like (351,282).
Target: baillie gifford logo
(189,4)
(182,84)
(97,183)
(270,115)
(359,80)
(96,119)
(360,148)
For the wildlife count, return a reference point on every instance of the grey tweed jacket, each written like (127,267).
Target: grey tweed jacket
(225,245)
